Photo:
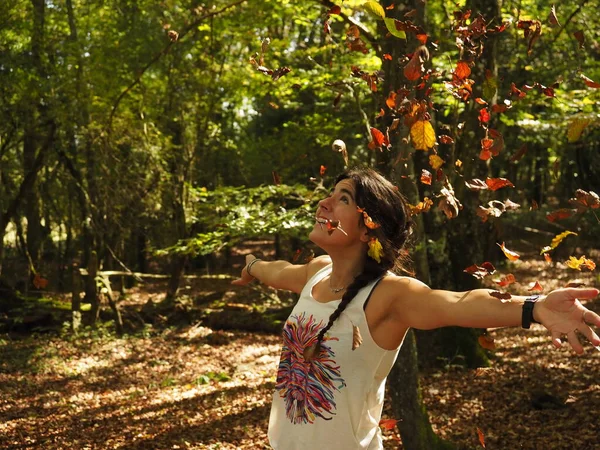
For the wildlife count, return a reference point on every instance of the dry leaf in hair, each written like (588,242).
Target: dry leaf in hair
(356,337)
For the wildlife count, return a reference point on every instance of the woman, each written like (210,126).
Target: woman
(344,334)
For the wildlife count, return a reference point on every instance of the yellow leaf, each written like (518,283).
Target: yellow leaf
(576,127)
(508,253)
(374,8)
(435,162)
(559,238)
(375,249)
(576,264)
(422,135)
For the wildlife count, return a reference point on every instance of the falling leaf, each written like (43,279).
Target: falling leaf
(276,178)
(574,284)
(512,256)
(537,287)
(322,170)
(589,82)
(435,161)
(425,177)
(421,207)
(391,26)
(39,282)
(356,337)
(532,30)
(505,281)
(378,139)
(575,263)
(340,147)
(484,115)
(369,223)
(374,8)
(520,153)
(280,72)
(576,127)
(387,56)
(449,204)
(422,135)
(481,437)
(412,70)
(388,424)
(557,240)
(335,9)
(445,139)
(476,184)
(497,183)
(547,257)
(584,200)
(462,70)
(552,19)
(486,342)
(482,271)
(560,214)
(391,100)
(580,37)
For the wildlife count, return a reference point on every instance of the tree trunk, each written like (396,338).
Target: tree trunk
(91,290)
(413,421)
(75,298)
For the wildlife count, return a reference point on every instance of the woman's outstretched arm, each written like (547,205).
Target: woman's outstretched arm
(418,306)
(280,274)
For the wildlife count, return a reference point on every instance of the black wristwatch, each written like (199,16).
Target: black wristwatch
(527,315)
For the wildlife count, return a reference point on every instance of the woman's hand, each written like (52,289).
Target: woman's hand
(563,314)
(245,277)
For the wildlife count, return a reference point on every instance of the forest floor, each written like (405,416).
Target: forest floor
(194,387)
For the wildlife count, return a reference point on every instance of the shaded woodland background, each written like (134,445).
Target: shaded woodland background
(146,146)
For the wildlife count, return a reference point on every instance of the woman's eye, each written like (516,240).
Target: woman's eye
(345,199)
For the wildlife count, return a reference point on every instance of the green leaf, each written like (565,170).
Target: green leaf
(391,26)
(375,9)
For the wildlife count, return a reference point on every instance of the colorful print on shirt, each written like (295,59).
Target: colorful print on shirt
(308,387)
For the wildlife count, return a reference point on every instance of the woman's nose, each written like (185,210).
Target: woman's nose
(324,204)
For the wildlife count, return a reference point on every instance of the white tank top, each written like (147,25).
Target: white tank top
(335,400)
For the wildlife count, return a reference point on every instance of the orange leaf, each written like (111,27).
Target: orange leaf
(512,256)
(425,177)
(480,101)
(486,342)
(322,170)
(537,287)
(445,139)
(479,272)
(547,257)
(388,424)
(391,100)
(577,264)
(387,56)
(356,337)
(435,161)
(505,281)
(379,139)
(497,183)
(481,437)
(462,70)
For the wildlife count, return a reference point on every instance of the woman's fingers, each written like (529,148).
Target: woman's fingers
(590,335)
(574,342)
(556,339)
(591,318)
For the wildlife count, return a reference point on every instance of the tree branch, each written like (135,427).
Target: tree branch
(163,52)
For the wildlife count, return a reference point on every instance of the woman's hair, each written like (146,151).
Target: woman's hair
(382,201)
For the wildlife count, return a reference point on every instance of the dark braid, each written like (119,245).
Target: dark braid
(387,207)
(371,272)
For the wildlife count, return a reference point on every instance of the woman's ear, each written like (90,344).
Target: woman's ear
(364,236)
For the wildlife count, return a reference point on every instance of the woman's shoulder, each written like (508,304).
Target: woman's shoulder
(316,264)
(397,284)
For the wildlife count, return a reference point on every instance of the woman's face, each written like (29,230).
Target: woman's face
(340,209)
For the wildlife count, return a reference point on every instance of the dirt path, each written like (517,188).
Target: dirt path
(195,388)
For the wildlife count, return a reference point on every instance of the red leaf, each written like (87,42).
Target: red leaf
(560,214)
(387,56)
(39,282)
(484,115)
(425,177)
(276,178)
(497,183)
(335,10)
(589,82)
(537,287)
(462,70)
(552,19)
(505,281)
(580,37)
(379,139)
(412,71)
(388,424)
(520,153)
(445,139)
(322,170)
